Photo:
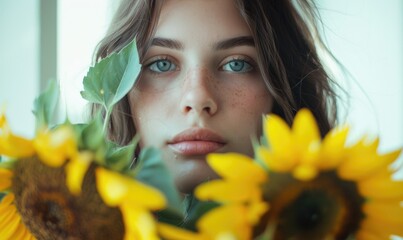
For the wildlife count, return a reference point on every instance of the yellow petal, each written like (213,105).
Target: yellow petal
(12,145)
(365,146)
(305,131)
(5,179)
(30,236)
(381,229)
(385,212)
(115,189)
(146,196)
(138,222)
(3,120)
(5,173)
(7,215)
(19,232)
(7,200)
(112,187)
(27,235)
(278,135)
(235,166)
(55,147)
(366,235)
(6,205)
(5,184)
(226,236)
(305,172)
(16,147)
(75,171)
(237,224)
(332,150)
(255,211)
(363,165)
(381,186)
(275,163)
(228,191)
(8,230)
(170,232)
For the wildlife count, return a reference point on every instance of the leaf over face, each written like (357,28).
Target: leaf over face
(153,172)
(121,158)
(109,80)
(91,134)
(45,105)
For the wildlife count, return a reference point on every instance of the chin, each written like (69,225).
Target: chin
(188,181)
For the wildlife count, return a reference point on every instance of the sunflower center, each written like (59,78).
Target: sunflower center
(50,211)
(326,207)
(308,210)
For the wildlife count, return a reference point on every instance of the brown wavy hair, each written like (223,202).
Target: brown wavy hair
(286,39)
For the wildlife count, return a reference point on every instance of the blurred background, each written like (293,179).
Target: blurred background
(55,39)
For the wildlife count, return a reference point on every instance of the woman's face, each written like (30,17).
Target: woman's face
(200,90)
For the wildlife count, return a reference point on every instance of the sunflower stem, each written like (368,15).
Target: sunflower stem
(106,121)
(268,232)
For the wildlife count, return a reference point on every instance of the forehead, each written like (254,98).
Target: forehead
(201,19)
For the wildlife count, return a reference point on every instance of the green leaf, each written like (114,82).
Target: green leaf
(2,195)
(8,163)
(268,233)
(195,209)
(45,105)
(257,144)
(170,216)
(120,158)
(92,136)
(152,171)
(263,138)
(109,80)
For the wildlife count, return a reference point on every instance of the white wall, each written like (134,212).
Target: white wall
(367,37)
(19,62)
(82,24)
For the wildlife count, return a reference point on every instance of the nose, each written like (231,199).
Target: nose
(199,93)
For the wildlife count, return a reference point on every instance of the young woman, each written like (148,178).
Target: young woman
(211,69)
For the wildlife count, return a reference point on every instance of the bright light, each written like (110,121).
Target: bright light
(81,25)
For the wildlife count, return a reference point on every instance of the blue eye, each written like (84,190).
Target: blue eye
(161,66)
(237,65)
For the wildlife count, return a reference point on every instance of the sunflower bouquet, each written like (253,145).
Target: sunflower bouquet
(301,187)
(71,182)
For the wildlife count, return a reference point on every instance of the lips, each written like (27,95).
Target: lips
(196,141)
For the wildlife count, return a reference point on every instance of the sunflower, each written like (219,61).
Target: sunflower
(317,188)
(134,199)
(37,195)
(237,172)
(226,222)
(56,191)
(240,210)
(60,184)
(12,145)
(240,195)
(11,224)
(326,186)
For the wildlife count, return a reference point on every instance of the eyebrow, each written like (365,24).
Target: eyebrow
(167,43)
(221,45)
(235,42)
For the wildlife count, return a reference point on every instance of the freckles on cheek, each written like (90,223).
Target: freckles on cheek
(238,99)
(247,101)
